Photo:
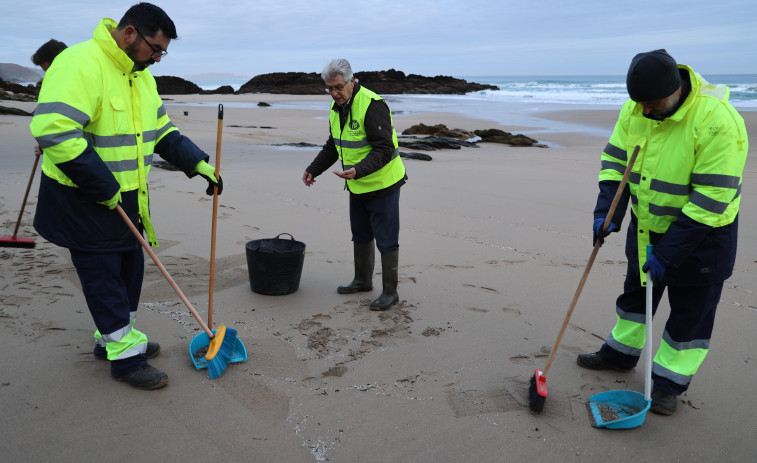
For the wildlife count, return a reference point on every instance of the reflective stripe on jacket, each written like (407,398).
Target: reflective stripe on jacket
(98,123)
(690,163)
(352,145)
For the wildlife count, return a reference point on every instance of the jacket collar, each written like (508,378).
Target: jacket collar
(108,44)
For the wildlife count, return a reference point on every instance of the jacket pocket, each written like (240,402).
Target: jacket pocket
(120,116)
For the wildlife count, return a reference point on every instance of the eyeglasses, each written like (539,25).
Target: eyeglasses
(157,52)
(335,88)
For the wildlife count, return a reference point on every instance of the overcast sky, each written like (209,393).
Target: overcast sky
(428,37)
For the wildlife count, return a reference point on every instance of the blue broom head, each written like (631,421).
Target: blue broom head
(217,365)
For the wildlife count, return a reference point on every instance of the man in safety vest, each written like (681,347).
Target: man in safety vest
(363,138)
(685,190)
(99,119)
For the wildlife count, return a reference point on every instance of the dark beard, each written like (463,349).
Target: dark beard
(138,65)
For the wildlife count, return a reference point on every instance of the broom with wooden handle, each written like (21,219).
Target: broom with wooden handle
(537,391)
(17,241)
(215,217)
(222,343)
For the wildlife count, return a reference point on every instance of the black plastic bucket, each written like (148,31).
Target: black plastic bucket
(275,264)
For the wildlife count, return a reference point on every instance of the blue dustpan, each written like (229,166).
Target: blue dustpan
(618,409)
(239,353)
(627,409)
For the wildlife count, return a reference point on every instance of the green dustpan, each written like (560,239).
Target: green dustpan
(627,409)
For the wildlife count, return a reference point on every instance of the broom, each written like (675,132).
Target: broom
(537,390)
(15,241)
(221,346)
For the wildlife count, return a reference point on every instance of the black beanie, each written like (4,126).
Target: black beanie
(652,75)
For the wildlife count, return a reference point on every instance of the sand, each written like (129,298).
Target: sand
(493,243)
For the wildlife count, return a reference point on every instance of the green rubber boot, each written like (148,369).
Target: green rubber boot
(365,259)
(389,277)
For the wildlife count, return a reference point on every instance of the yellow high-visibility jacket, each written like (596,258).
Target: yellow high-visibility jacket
(689,170)
(98,124)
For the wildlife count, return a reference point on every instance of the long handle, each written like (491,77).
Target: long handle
(215,217)
(648,327)
(597,245)
(164,271)
(26,195)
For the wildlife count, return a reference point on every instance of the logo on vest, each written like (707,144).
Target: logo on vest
(354,125)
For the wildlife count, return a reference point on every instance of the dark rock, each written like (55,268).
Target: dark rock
(263,104)
(170,85)
(382,82)
(299,144)
(14,111)
(423,129)
(18,92)
(500,136)
(222,90)
(291,83)
(419,156)
(487,135)
(433,143)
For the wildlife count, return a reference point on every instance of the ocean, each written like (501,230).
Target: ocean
(525,96)
(574,90)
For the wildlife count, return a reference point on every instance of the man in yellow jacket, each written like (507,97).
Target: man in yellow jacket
(685,192)
(363,138)
(99,120)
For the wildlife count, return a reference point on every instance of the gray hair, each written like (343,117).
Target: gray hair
(337,67)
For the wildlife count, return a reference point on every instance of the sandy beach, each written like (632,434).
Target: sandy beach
(493,243)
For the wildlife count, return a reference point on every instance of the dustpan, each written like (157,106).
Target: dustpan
(202,341)
(627,409)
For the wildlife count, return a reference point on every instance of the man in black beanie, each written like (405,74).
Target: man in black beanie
(685,191)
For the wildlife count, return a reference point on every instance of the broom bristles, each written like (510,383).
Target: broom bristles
(217,365)
(16,242)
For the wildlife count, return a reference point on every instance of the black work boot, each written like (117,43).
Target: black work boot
(152,350)
(597,361)
(365,259)
(663,403)
(389,277)
(146,377)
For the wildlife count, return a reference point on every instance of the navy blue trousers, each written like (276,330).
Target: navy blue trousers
(377,219)
(692,317)
(112,283)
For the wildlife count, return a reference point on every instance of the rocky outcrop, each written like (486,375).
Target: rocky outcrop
(289,83)
(486,136)
(170,85)
(14,111)
(18,92)
(389,82)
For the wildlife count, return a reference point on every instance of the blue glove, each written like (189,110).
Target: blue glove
(598,233)
(657,267)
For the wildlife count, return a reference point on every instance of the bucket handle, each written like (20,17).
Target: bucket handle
(290,236)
